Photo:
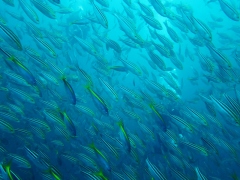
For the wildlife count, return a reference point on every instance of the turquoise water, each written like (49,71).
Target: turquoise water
(119,89)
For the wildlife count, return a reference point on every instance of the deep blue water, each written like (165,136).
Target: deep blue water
(121,90)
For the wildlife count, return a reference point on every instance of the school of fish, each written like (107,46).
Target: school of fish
(119,90)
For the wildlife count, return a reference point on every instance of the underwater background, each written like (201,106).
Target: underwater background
(119,89)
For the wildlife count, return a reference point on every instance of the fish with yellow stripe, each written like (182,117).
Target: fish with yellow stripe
(124,135)
(103,161)
(100,103)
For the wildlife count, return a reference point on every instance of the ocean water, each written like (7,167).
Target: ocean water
(119,89)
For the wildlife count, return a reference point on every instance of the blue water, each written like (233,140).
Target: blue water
(77,102)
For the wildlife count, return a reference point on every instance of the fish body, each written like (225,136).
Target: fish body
(30,12)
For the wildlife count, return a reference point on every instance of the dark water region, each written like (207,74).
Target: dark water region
(119,89)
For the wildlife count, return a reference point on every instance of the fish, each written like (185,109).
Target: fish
(225,108)
(85,110)
(167,42)
(44,8)
(128,11)
(102,159)
(203,30)
(197,147)
(157,60)
(146,130)
(159,7)
(219,57)
(114,45)
(182,123)
(20,68)
(98,100)
(16,16)
(20,161)
(100,15)
(152,22)
(5,126)
(174,36)
(70,90)
(126,25)
(86,46)
(103,89)
(154,171)
(130,66)
(228,9)
(69,123)
(30,12)
(124,135)
(10,37)
(110,89)
(146,9)
(45,47)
